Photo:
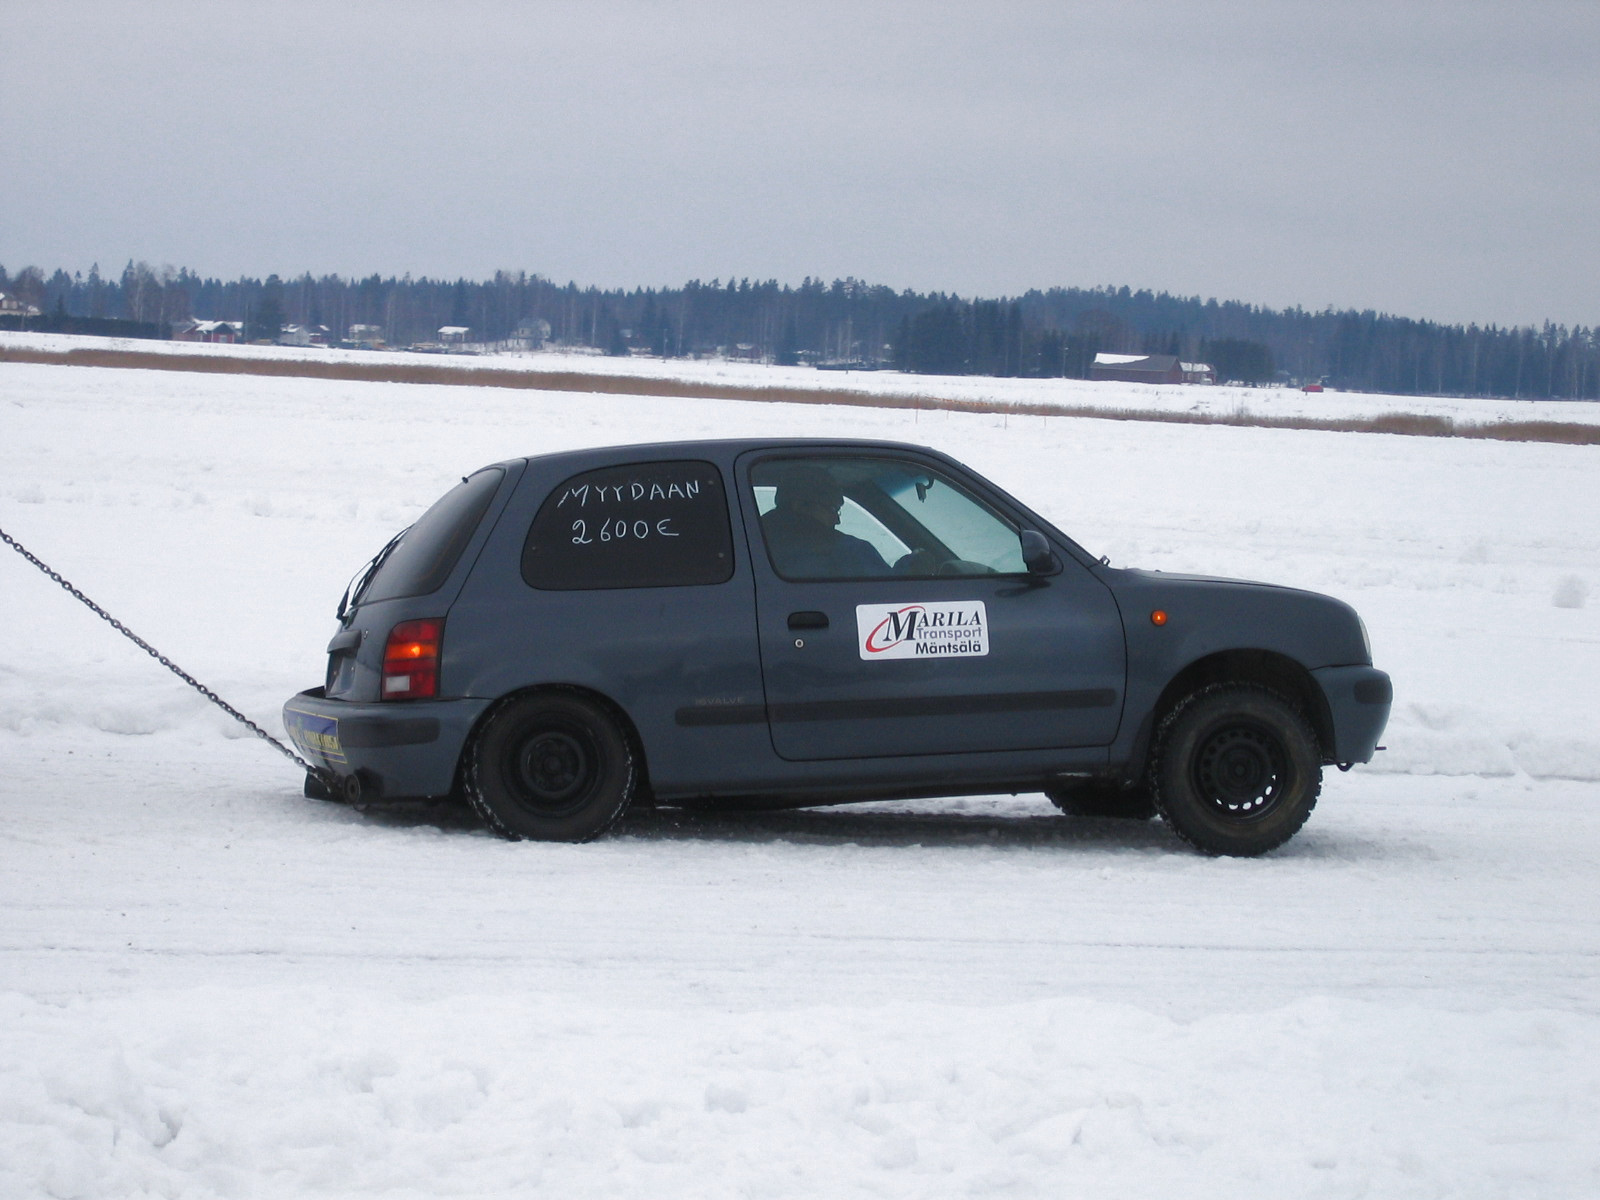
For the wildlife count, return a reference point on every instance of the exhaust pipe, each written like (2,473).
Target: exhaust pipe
(362,787)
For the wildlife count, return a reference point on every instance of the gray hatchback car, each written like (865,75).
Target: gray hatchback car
(786,623)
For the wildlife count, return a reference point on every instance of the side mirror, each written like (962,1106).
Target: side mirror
(1036,553)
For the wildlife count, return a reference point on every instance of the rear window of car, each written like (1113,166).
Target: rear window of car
(430,549)
(657,524)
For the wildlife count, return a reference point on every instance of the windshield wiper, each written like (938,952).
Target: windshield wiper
(362,579)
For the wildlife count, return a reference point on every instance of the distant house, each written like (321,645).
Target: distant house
(224,332)
(304,335)
(365,337)
(10,306)
(1199,373)
(453,335)
(1138,368)
(531,333)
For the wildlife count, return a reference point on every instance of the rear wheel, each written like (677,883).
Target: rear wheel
(1236,770)
(552,768)
(1102,798)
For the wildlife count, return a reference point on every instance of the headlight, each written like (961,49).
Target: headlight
(1366,642)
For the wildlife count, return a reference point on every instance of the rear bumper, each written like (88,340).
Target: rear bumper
(397,751)
(1358,701)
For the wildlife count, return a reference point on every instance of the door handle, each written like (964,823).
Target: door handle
(808,620)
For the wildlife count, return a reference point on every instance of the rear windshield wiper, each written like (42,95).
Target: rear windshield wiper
(362,580)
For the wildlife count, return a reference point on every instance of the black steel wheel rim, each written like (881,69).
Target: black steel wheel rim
(555,771)
(1241,771)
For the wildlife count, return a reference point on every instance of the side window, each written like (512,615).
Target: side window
(659,524)
(854,521)
(424,557)
(862,518)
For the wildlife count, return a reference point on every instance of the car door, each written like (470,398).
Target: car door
(896,616)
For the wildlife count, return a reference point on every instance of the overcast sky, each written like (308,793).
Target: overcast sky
(1435,160)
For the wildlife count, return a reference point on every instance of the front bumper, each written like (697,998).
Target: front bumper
(397,751)
(1358,702)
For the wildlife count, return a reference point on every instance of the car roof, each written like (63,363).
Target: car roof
(725,449)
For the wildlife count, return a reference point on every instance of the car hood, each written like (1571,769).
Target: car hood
(1209,613)
(1160,577)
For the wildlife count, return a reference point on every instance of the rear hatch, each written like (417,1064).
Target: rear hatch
(397,602)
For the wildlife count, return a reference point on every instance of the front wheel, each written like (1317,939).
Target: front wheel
(1236,770)
(553,768)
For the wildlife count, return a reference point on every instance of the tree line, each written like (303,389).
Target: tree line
(1050,333)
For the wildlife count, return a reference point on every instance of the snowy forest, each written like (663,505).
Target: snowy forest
(846,322)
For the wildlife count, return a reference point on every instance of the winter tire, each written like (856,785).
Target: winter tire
(1102,798)
(1236,770)
(552,768)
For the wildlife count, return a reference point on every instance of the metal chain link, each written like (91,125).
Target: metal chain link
(319,772)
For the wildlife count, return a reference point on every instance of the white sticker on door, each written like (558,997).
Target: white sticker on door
(928,630)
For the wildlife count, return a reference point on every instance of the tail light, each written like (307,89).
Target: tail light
(411,660)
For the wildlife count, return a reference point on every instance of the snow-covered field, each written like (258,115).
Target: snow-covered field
(210,986)
(1075,394)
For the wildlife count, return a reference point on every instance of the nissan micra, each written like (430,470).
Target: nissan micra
(787,623)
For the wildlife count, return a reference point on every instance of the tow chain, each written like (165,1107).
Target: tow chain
(319,772)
